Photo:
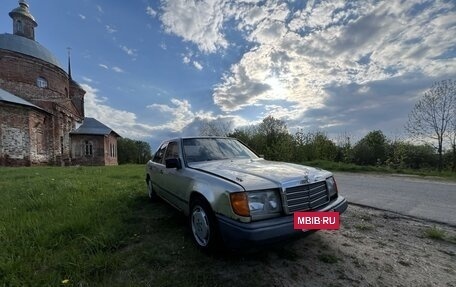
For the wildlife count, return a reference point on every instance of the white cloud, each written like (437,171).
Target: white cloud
(82,16)
(330,54)
(100,10)
(180,114)
(117,69)
(197,65)
(182,120)
(196,21)
(110,29)
(151,12)
(114,68)
(129,51)
(332,43)
(187,59)
(88,80)
(123,122)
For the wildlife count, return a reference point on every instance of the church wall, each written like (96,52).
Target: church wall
(25,136)
(87,149)
(41,138)
(110,147)
(19,74)
(14,135)
(77,97)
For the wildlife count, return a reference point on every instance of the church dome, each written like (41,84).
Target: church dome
(28,47)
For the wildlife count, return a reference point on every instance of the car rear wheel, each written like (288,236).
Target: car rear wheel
(203,225)
(150,191)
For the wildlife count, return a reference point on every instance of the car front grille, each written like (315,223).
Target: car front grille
(307,197)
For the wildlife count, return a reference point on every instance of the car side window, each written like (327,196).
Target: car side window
(159,155)
(172,151)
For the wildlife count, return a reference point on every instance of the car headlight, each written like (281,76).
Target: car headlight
(331,186)
(263,202)
(257,204)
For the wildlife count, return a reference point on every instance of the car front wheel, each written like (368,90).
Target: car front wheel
(203,225)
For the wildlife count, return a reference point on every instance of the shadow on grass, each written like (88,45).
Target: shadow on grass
(160,252)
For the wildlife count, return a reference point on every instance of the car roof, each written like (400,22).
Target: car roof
(178,139)
(198,137)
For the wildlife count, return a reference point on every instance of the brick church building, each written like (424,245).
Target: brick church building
(42,108)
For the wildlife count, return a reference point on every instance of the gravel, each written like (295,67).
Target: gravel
(372,248)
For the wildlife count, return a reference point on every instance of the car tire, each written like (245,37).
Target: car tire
(150,191)
(203,226)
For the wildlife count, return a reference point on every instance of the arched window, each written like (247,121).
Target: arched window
(113,150)
(41,82)
(88,148)
(19,26)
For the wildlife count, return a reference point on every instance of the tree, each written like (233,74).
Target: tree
(270,138)
(407,155)
(453,140)
(278,142)
(371,149)
(272,129)
(218,127)
(344,147)
(313,145)
(133,151)
(433,114)
(250,136)
(324,147)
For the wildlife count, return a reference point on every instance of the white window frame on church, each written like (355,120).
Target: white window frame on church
(88,148)
(41,82)
(113,150)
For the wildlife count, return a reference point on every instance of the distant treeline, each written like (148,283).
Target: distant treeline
(132,151)
(272,139)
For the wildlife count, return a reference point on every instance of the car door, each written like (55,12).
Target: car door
(157,167)
(175,183)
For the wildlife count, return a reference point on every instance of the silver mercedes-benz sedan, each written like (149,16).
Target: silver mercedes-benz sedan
(233,197)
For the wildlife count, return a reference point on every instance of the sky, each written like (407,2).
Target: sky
(159,69)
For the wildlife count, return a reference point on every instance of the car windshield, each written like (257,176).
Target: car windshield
(206,149)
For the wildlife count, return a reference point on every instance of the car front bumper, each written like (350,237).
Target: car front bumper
(240,235)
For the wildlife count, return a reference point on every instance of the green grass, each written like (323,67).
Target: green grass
(64,223)
(364,227)
(93,226)
(349,167)
(434,233)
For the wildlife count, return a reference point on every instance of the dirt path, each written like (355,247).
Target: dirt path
(373,248)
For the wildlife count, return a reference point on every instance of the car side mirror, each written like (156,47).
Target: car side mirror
(173,163)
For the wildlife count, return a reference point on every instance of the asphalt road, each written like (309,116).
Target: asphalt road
(429,199)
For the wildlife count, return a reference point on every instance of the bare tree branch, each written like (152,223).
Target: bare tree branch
(218,127)
(434,115)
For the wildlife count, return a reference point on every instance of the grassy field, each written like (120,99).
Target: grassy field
(92,226)
(348,167)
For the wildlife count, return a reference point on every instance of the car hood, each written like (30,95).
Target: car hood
(261,174)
